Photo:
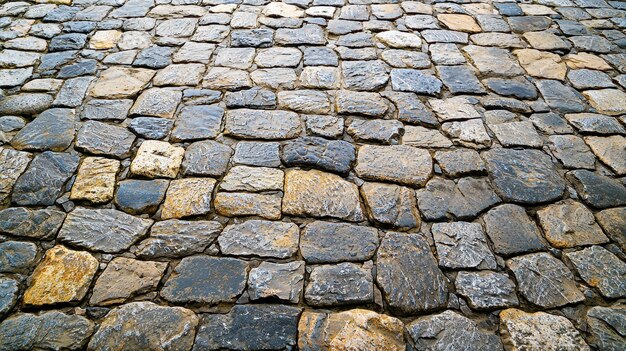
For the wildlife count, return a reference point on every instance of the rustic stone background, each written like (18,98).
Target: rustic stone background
(313,175)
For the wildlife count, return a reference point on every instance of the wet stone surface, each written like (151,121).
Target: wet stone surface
(322,175)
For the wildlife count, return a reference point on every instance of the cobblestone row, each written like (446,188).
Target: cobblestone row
(313,175)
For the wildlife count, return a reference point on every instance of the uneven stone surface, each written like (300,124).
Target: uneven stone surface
(256,160)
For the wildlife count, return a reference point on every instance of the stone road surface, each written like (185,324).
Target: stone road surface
(364,175)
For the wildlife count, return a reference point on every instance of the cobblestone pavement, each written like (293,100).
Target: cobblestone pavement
(312,174)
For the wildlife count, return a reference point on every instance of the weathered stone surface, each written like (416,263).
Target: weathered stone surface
(397,39)
(248,204)
(52,130)
(610,150)
(450,330)
(157,102)
(354,329)
(486,289)
(597,190)
(397,163)
(208,280)
(121,82)
(251,98)
(608,101)
(595,123)
(188,197)
(319,194)
(569,224)
(260,238)
(523,176)
(364,75)
(442,198)
(157,159)
(262,327)
(341,284)
(544,281)
(51,330)
(540,331)
(17,256)
(495,61)
(252,179)
(323,242)
(416,81)
(140,196)
(124,278)
(176,238)
(62,276)
(95,181)
(283,281)
(43,180)
(462,245)
(105,230)
(38,224)
(361,103)
(12,164)
(601,269)
(145,325)
(606,325)
(206,158)
(511,230)
(98,109)
(399,256)
(327,155)
(613,221)
(253,124)
(104,139)
(9,293)
(460,162)
(391,205)
(377,130)
(560,97)
(151,127)
(198,122)
(572,151)
(542,64)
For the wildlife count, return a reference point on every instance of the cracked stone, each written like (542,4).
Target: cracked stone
(260,238)
(462,245)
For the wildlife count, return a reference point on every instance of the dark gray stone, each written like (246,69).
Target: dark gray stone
(597,190)
(460,162)
(341,284)
(104,230)
(52,330)
(451,331)
(207,158)
(151,127)
(258,38)
(81,68)
(175,238)
(252,153)
(607,326)
(116,110)
(323,242)
(524,176)
(53,129)
(198,122)
(391,205)
(462,245)
(100,138)
(551,123)
(399,257)
(411,109)
(320,56)
(442,198)
(64,42)
(459,79)
(73,92)
(249,327)
(364,75)
(42,182)
(525,24)
(411,80)
(17,256)
(486,290)
(593,123)
(25,104)
(204,279)
(544,281)
(140,196)
(560,97)
(519,88)
(145,325)
(56,59)
(377,130)
(251,98)
(154,57)
(511,230)
(320,153)
(39,224)
(601,269)
(9,293)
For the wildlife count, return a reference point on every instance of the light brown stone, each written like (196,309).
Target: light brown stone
(188,197)
(124,278)
(319,194)
(541,64)
(157,159)
(356,329)
(253,179)
(538,332)
(545,41)
(248,204)
(610,150)
(402,164)
(607,101)
(95,181)
(281,9)
(12,164)
(569,224)
(586,60)
(121,82)
(104,39)
(462,23)
(63,275)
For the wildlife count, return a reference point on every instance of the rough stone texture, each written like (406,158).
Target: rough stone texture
(283,281)
(601,269)
(544,280)
(105,230)
(511,230)
(323,242)
(145,325)
(462,245)
(52,130)
(613,222)
(397,163)
(253,124)
(399,256)
(607,327)
(37,224)
(391,205)
(319,194)
(188,197)
(539,331)
(140,196)
(569,224)
(204,279)
(260,238)
(95,181)
(121,82)
(450,330)
(63,275)
(355,329)
(327,155)
(12,164)
(486,289)
(176,238)
(261,327)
